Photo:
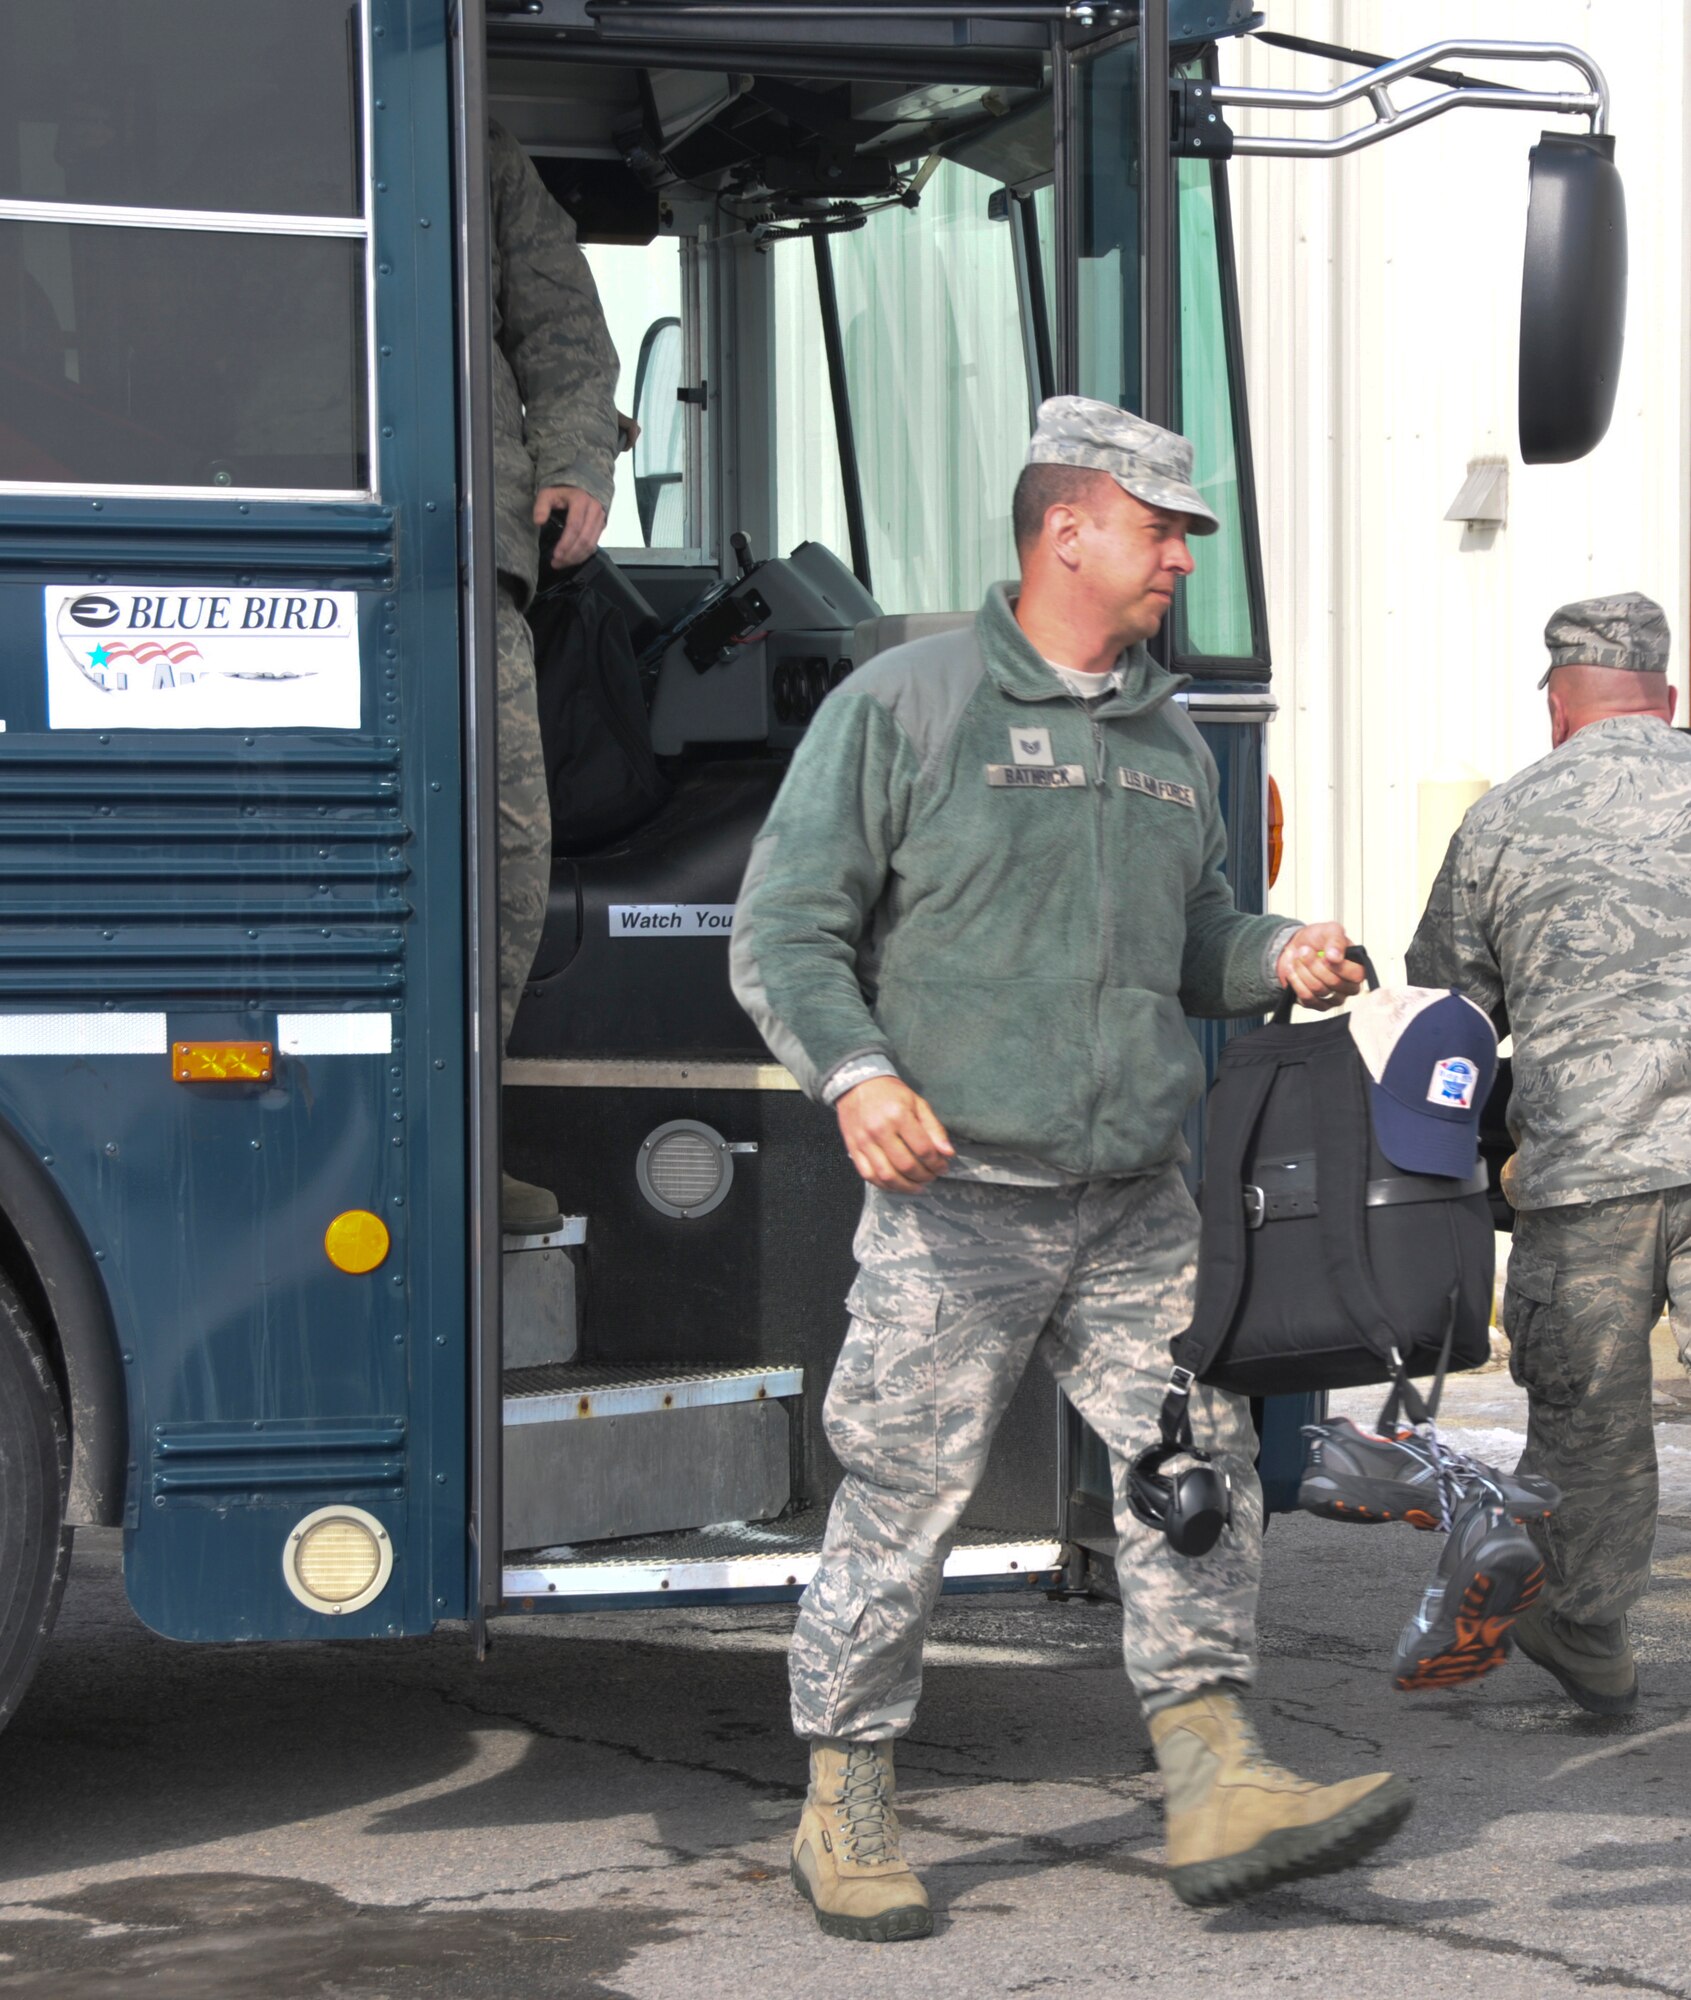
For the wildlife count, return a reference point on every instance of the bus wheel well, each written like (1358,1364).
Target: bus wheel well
(48,1261)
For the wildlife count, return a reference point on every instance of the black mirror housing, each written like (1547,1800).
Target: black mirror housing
(1573,297)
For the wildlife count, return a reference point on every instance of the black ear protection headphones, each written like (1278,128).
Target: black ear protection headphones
(1190,1507)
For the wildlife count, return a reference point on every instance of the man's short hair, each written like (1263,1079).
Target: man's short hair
(1044,486)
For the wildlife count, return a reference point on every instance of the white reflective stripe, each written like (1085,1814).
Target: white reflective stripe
(334,1034)
(750,1572)
(83,1035)
(117,491)
(221,222)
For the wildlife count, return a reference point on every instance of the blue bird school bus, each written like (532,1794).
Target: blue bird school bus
(255,1306)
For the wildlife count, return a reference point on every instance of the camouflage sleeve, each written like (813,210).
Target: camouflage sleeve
(1450,947)
(552,329)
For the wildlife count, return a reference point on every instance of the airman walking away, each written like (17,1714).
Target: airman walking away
(1565,901)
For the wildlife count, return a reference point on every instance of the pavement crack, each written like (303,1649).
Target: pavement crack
(1459,1940)
(535,1888)
(781,1788)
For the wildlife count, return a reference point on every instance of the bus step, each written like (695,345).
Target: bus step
(768,1560)
(596,1453)
(540,1324)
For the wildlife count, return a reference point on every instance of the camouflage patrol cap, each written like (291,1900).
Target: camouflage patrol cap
(1152,464)
(1629,632)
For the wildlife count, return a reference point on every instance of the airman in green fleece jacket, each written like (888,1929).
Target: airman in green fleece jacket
(987,896)
(1006,895)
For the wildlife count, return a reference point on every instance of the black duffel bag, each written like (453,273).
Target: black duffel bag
(1321,1264)
(601,776)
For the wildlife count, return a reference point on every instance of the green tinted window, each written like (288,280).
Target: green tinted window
(1215,611)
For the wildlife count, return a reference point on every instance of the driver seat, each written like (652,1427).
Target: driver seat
(880,635)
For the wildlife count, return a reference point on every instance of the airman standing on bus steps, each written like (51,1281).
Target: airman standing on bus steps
(1564,900)
(555,441)
(990,890)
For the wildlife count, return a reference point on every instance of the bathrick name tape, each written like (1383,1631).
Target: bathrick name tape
(671,920)
(149,657)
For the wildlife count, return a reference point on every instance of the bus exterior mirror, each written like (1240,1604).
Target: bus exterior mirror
(661,440)
(1573,297)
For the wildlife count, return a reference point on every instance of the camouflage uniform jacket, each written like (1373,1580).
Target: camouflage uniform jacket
(1012,895)
(554,368)
(1566,895)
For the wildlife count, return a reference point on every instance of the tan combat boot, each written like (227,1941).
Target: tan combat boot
(846,1859)
(1238,1824)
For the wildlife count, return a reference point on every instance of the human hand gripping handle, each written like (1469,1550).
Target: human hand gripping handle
(583,523)
(1315,967)
(893,1136)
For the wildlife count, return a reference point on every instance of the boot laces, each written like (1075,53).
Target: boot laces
(1252,1756)
(870,1825)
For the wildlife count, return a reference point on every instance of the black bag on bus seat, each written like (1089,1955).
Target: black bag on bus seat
(1321,1264)
(601,775)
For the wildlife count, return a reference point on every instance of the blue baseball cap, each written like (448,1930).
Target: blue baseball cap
(1431,1055)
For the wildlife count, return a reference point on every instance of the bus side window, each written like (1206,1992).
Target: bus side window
(187,246)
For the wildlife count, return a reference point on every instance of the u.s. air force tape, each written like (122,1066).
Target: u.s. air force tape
(1156,788)
(1038,777)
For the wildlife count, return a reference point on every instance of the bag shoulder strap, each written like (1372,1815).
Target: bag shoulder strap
(1239,1095)
(1343,1125)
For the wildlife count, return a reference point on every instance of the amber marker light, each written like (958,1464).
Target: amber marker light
(1276,832)
(222,1062)
(356,1241)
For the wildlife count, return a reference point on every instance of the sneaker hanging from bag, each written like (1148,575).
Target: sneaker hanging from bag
(1411,1475)
(1488,1574)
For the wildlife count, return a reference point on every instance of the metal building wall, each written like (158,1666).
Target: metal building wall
(1381,298)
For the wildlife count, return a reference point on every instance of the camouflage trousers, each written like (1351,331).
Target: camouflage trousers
(1587,1283)
(958,1287)
(525,811)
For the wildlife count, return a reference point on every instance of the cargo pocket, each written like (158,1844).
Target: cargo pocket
(820,1661)
(882,1410)
(1538,1355)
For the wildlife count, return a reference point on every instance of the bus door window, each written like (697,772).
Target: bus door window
(931,329)
(1219,614)
(1106,226)
(184,254)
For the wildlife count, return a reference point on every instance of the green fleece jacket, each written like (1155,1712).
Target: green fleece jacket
(1011,896)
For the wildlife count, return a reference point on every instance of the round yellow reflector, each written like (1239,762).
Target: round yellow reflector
(337,1560)
(356,1241)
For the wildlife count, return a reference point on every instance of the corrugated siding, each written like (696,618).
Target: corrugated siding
(140,872)
(1381,299)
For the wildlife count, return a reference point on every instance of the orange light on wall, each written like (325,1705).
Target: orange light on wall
(222,1062)
(1276,832)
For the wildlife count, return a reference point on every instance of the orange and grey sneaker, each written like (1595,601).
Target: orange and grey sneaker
(1487,1576)
(1411,1475)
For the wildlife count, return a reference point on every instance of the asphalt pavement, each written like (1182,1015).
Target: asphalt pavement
(603,1807)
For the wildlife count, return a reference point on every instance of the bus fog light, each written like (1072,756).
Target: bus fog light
(337,1560)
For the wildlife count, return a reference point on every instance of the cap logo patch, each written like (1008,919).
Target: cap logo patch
(1455,1080)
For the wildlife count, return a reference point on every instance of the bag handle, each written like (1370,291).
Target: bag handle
(1357,954)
